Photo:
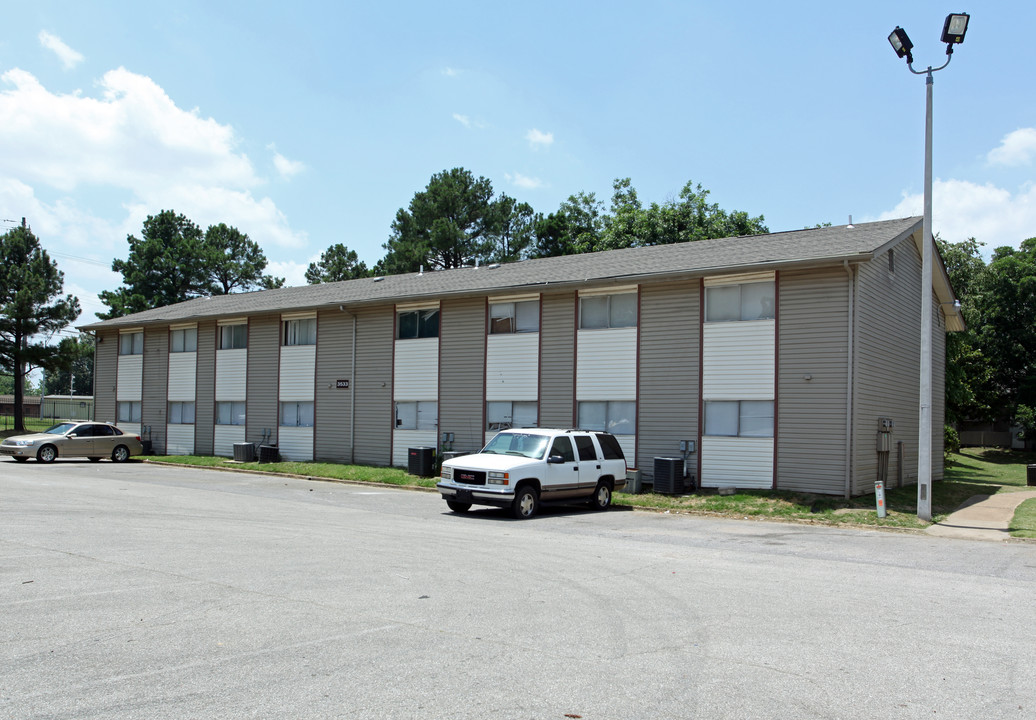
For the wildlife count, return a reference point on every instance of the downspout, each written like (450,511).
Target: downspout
(850,364)
(352,399)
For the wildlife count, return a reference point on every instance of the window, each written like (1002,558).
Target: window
(129,411)
(748,301)
(514,317)
(300,332)
(131,343)
(608,311)
(615,416)
(562,446)
(181,413)
(892,260)
(418,324)
(185,340)
(297,414)
(585,446)
(610,447)
(739,418)
(422,415)
(230,413)
(233,337)
(505,415)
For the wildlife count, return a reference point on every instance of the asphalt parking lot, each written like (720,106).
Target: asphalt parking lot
(138,590)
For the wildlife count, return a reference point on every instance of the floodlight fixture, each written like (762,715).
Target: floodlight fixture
(901,43)
(953,30)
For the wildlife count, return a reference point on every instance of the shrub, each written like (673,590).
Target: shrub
(951,440)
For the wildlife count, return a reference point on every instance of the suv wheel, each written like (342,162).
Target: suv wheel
(526,502)
(602,496)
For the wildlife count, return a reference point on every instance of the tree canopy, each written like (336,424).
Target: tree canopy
(336,263)
(73,370)
(174,261)
(456,221)
(31,309)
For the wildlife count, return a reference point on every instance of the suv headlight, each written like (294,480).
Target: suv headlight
(447,473)
(497,478)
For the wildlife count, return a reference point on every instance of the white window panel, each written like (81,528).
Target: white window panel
(606,364)
(513,367)
(297,373)
(183,371)
(231,374)
(738,361)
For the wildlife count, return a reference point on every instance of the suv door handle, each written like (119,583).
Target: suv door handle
(576,468)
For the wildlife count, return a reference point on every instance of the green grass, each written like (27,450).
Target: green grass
(1024,522)
(971,472)
(328,471)
(32,425)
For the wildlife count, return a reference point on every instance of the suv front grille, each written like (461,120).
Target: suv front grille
(469,477)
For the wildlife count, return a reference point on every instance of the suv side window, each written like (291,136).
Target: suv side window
(610,447)
(585,445)
(563,446)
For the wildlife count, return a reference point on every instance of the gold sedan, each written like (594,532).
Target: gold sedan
(94,440)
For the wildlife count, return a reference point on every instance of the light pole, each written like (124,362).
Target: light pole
(953,31)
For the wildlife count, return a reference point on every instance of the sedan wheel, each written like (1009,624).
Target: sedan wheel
(120,454)
(47,453)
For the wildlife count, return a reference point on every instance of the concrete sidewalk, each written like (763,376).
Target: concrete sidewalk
(982,517)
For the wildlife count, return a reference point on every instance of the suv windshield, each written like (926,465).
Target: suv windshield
(524,444)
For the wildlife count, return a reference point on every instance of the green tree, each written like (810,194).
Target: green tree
(968,372)
(456,221)
(1008,332)
(336,263)
(164,267)
(31,309)
(576,227)
(174,261)
(234,262)
(73,369)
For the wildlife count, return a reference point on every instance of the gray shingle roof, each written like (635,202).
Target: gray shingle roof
(831,244)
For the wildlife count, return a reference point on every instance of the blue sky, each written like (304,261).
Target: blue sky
(306,124)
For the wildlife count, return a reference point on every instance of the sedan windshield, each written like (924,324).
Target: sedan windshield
(524,444)
(60,429)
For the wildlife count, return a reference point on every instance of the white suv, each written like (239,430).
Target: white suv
(520,469)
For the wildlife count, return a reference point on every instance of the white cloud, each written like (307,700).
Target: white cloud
(133,137)
(522,181)
(1017,148)
(294,273)
(539,139)
(69,57)
(450,72)
(963,209)
(462,119)
(135,140)
(287,168)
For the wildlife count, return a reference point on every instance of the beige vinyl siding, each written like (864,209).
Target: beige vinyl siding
(183,373)
(557,360)
(106,358)
(130,378)
(262,410)
(154,393)
(606,367)
(297,372)
(667,404)
(231,368)
(416,369)
(738,361)
(814,343)
(205,407)
(334,363)
(179,440)
(376,329)
(512,367)
(888,350)
(462,334)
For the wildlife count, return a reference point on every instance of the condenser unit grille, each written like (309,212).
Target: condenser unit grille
(668,475)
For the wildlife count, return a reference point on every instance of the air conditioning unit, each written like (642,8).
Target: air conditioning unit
(244,452)
(669,475)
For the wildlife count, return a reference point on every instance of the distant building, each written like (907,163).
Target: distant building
(774,355)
